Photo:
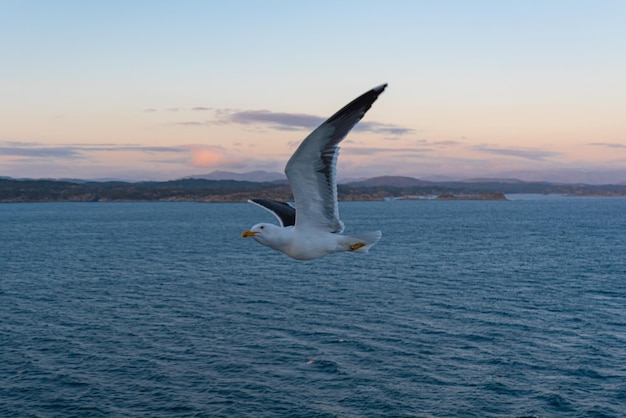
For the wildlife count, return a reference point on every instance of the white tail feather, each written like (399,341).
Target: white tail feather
(360,243)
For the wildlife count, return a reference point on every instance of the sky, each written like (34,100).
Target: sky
(159,90)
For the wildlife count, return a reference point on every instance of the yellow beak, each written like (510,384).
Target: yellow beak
(247,234)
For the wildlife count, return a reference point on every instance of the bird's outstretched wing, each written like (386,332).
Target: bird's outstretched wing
(311,169)
(285,213)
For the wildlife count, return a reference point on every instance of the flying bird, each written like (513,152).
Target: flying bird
(313,229)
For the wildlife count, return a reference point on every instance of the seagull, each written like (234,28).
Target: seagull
(313,229)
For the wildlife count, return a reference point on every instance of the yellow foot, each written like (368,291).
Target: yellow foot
(356,246)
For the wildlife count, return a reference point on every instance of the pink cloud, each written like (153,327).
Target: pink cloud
(205,157)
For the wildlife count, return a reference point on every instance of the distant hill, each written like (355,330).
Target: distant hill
(258,176)
(568,176)
(409,186)
(393,181)
(200,190)
(493,180)
(176,190)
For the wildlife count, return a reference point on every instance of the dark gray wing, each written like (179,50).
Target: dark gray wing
(285,213)
(311,169)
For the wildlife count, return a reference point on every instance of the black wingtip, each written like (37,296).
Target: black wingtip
(282,210)
(360,105)
(380,88)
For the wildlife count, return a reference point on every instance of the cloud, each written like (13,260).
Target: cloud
(445,143)
(529,154)
(201,157)
(608,144)
(72,151)
(129,148)
(383,128)
(28,159)
(449,143)
(300,121)
(30,150)
(192,123)
(178,109)
(210,156)
(141,148)
(376,151)
(282,121)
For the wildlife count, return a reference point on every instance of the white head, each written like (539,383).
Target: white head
(273,236)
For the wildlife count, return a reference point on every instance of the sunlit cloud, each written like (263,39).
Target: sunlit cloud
(204,157)
(29,157)
(211,156)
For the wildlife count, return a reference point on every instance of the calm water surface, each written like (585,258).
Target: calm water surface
(473,309)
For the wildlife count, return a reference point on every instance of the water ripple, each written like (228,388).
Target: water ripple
(500,309)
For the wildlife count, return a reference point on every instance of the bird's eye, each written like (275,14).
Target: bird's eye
(262,227)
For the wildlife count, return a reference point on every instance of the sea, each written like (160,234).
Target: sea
(464,309)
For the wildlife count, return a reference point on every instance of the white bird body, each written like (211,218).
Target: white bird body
(310,244)
(313,229)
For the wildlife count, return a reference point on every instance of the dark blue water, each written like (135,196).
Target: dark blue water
(466,309)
